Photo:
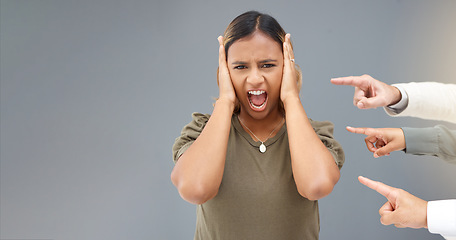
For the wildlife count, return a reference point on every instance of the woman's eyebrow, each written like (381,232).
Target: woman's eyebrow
(262,61)
(268,60)
(239,62)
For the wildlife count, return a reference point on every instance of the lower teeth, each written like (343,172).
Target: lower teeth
(257,107)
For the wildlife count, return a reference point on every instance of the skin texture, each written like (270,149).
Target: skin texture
(369,92)
(381,141)
(402,208)
(256,62)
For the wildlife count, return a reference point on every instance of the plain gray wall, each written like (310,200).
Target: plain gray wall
(93,94)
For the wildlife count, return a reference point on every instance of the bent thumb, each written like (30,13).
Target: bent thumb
(389,218)
(386,150)
(372,102)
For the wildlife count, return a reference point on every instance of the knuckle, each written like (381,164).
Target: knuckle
(384,221)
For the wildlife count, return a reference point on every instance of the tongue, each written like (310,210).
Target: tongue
(258,100)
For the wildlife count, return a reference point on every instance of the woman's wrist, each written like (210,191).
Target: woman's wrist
(288,101)
(225,102)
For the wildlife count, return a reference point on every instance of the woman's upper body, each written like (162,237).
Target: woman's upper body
(257,79)
(257,198)
(221,169)
(232,182)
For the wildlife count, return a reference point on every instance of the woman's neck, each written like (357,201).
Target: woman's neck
(263,127)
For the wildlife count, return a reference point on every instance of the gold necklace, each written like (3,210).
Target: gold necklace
(262,146)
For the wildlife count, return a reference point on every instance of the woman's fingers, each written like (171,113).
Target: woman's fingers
(290,49)
(222,58)
(224,80)
(286,52)
(289,86)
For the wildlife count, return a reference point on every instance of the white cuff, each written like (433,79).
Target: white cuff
(399,106)
(441,217)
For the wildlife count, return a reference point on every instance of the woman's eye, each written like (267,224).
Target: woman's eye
(240,67)
(267,65)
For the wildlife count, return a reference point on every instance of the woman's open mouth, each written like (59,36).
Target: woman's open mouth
(257,99)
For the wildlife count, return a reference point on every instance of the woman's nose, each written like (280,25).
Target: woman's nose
(255,77)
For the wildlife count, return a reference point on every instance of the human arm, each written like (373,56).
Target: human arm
(428,100)
(381,141)
(405,210)
(369,92)
(313,166)
(436,141)
(402,208)
(198,171)
(441,217)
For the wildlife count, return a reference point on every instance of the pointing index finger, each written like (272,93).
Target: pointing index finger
(365,131)
(381,188)
(352,81)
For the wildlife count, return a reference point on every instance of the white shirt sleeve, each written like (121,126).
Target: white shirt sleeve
(427,100)
(399,106)
(441,218)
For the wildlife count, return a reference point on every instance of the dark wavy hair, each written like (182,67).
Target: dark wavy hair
(250,22)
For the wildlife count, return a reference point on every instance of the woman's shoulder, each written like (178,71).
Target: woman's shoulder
(321,124)
(189,134)
(203,116)
(200,119)
(325,131)
(197,123)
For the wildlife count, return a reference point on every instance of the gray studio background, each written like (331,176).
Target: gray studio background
(93,94)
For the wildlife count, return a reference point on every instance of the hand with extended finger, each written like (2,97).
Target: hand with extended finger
(382,141)
(369,92)
(402,208)
(289,88)
(226,89)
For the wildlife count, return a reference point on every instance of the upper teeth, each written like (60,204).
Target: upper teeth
(256,92)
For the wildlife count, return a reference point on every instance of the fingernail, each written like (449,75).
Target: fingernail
(360,105)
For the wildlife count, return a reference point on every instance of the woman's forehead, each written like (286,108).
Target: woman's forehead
(256,45)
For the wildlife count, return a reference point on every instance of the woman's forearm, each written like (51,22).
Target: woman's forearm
(314,168)
(199,171)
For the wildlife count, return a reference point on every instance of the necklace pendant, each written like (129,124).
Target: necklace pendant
(262,148)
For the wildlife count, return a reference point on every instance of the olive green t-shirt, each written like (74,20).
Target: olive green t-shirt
(257,198)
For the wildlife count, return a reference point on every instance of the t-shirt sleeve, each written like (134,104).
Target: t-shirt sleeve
(325,131)
(189,134)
